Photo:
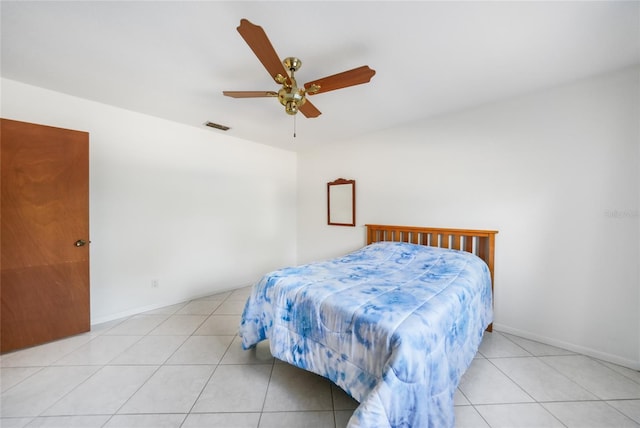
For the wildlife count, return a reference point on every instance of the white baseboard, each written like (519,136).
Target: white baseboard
(147,308)
(615,359)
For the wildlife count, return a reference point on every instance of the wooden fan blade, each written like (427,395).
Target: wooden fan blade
(309,110)
(259,43)
(249,94)
(345,79)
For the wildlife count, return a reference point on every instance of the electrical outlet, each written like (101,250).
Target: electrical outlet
(155,283)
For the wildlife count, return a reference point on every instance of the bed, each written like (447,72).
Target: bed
(395,323)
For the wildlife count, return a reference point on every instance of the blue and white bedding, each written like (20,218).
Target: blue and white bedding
(393,324)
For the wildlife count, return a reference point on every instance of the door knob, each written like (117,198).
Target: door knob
(80,243)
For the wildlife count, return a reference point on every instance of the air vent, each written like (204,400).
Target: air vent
(217,126)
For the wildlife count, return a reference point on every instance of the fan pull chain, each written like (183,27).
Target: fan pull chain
(294,125)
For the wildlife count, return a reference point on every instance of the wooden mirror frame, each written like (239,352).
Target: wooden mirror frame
(343,195)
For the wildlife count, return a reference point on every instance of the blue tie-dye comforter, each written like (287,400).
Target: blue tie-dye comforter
(393,324)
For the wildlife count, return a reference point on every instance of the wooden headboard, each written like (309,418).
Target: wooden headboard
(478,242)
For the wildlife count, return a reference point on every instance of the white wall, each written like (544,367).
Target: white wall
(556,172)
(198,210)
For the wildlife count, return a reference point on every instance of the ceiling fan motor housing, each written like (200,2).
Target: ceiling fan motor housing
(291,98)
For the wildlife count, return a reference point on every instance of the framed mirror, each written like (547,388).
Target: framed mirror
(341,202)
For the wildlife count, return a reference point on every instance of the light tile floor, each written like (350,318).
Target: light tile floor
(182,366)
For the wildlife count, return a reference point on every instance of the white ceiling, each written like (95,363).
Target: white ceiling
(173,59)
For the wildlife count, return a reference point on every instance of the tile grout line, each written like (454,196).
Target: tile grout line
(163,364)
(266,393)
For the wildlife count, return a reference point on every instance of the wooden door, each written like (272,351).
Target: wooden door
(44,209)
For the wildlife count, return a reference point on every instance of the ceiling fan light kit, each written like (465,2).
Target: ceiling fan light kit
(292,97)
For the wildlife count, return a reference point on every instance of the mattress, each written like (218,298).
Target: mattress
(395,325)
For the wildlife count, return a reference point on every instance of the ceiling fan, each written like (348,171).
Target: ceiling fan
(292,97)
